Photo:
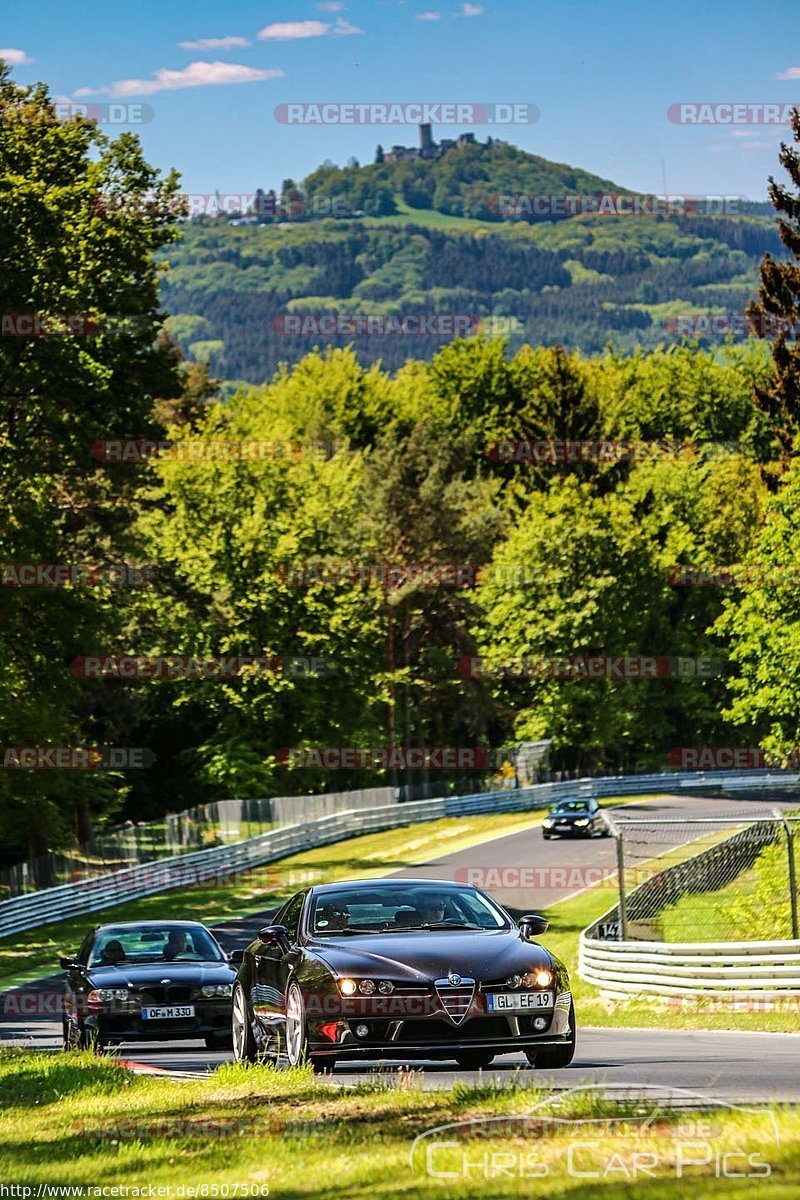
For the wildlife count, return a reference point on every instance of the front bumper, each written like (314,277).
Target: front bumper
(211,1017)
(437,1036)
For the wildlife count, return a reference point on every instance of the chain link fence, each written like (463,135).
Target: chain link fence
(716,879)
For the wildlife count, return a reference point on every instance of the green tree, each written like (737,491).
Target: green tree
(78,256)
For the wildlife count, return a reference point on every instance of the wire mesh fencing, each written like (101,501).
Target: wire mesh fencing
(716,879)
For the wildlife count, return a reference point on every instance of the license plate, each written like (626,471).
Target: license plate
(564,825)
(171,1012)
(497,1001)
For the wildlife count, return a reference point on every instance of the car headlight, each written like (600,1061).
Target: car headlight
(547,822)
(583,821)
(385,987)
(366,987)
(538,978)
(348,987)
(217,989)
(107,995)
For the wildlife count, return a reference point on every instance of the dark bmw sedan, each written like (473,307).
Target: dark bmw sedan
(148,981)
(401,969)
(576,818)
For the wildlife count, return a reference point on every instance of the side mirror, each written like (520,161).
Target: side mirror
(69,964)
(275,935)
(532,925)
(236,957)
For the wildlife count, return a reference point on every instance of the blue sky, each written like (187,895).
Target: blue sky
(602,75)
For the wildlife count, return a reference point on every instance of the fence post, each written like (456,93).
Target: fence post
(623,914)
(792,872)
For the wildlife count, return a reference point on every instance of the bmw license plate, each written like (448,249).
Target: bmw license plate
(502,1001)
(169,1012)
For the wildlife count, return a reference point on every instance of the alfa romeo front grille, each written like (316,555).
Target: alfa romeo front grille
(456,997)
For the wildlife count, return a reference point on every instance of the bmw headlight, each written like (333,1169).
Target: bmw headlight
(366,987)
(582,821)
(348,987)
(217,989)
(547,822)
(100,996)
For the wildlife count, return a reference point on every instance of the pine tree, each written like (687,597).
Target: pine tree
(776,313)
(379,155)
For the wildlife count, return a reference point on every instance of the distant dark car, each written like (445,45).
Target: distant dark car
(148,981)
(402,969)
(576,818)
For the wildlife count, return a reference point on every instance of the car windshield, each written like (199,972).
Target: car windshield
(572,806)
(399,908)
(163,943)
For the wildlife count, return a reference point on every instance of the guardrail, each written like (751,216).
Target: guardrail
(89,895)
(714,969)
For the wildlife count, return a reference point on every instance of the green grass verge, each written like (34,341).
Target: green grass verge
(78,1120)
(34,952)
(569,917)
(756,903)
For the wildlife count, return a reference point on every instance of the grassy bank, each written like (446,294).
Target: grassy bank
(76,1120)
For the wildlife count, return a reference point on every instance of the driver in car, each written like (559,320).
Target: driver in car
(431,910)
(177,943)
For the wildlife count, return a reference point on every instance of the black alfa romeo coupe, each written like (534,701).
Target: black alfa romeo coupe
(401,969)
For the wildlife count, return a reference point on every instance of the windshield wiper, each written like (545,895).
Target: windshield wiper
(348,929)
(447,925)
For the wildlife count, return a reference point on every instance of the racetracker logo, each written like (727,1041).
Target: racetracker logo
(731,758)
(382,758)
(584,666)
(447,325)
(452,113)
(58,575)
(136,450)
(520,205)
(102,114)
(709,325)
(179,666)
(735,575)
(77,758)
(730,113)
(606,451)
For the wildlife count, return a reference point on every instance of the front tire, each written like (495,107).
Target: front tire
(475,1060)
(297,1050)
(553,1058)
(244,1043)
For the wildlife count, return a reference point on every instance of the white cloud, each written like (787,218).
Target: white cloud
(745,133)
(470,10)
(87,91)
(197,74)
(789,73)
(429,16)
(289,31)
(16,58)
(221,43)
(344,28)
(331,6)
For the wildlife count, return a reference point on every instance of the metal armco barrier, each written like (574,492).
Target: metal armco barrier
(714,969)
(89,895)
